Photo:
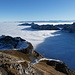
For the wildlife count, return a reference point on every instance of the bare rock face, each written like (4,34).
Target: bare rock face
(17,43)
(62,67)
(27,50)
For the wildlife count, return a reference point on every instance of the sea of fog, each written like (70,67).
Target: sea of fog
(54,44)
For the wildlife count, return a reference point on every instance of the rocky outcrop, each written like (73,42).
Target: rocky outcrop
(56,64)
(26,24)
(40,27)
(17,43)
(44,27)
(70,28)
(28,50)
(62,67)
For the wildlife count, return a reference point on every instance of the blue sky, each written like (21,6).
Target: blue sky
(18,10)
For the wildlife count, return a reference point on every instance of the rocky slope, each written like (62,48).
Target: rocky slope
(15,43)
(25,61)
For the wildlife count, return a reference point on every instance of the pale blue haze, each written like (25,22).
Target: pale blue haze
(17,10)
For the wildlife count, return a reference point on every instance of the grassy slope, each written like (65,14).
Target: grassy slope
(41,67)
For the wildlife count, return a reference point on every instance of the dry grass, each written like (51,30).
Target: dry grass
(41,67)
(18,54)
(46,69)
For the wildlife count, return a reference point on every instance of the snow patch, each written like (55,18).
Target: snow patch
(22,45)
